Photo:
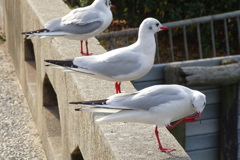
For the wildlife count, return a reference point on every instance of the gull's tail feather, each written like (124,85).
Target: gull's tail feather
(58,67)
(62,63)
(98,110)
(122,116)
(30,34)
(36,31)
(68,65)
(45,33)
(52,34)
(101,106)
(103,119)
(96,106)
(96,102)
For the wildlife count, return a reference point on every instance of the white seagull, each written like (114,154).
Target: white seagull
(79,24)
(159,105)
(122,64)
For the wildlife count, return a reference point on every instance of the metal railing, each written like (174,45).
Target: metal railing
(183,24)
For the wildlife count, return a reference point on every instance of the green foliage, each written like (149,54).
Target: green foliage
(78,3)
(2,38)
(134,11)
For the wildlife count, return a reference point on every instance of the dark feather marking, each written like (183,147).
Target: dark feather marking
(80,109)
(63,63)
(97,102)
(36,31)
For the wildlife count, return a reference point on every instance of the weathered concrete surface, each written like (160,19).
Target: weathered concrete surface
(62,129)
(2,26)
(19,138)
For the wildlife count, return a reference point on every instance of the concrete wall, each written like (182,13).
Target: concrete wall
(67,134)
(2,25)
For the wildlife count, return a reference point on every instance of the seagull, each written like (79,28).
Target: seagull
(122,64)
(79,24)
(159,105)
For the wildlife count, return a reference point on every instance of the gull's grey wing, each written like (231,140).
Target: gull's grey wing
(81,17)
(81,22)
(81,29)
(149,97)
(53,24)
(115,67)
(76,23)
(112,66)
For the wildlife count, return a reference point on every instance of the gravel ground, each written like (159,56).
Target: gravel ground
(18,134)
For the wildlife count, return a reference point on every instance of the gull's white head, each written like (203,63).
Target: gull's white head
(152,25)
(106,3)
(198,101)
(109,4)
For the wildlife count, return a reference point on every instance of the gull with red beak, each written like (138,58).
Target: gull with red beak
(159,105)
(79,24)
(122,64)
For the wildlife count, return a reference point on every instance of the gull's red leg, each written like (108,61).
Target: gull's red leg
(176,124)
(81,47)
(185,119)
(159,143)
(87,53)
(117,87)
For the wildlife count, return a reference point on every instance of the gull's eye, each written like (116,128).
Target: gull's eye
(157,24)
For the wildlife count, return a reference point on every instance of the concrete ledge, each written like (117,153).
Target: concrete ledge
(67,134)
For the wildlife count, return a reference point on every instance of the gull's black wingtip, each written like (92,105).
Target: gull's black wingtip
(53,61)
(62,63)
(78,109)
(94,102)
(26,33)
(75,103)
(36,31)
(48,61)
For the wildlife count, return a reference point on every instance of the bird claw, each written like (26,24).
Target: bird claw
(167,150)
(191,118)
(87,54)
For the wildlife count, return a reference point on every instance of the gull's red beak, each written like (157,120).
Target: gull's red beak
(112,6)
(164,28)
